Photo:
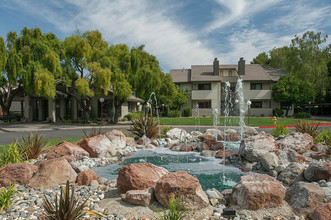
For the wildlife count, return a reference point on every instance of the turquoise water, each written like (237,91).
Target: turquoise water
(208,170)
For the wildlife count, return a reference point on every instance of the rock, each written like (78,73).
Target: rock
(79,168)
(269,161)
(273,173)
(189,188)
(283,158)
(85,177)
(94,183)
(220,153)
(138,176)
(172,143)
(71,152)
(319,155)
(202,146)
(117,138)
(129,141)
(195,135)
(141,141)
(208,153)
(304,197)
(318,171)
(257,191)
(295,156)
(185,148)
(216,133)
(246,167)
(52,173)
(17,173)
(321,147)
(280,168)
(249,131)
(98,146)
(217,146)
(155,143)
(233,136)
(139,197)
(292,173)
(208,139)
(253,148)
(177,134)
(323,212)
(300,142)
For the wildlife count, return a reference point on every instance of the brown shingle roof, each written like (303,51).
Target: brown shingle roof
(181,75)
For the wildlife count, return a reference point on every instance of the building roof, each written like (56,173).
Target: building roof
(276,73)
(135,99)
(253,72)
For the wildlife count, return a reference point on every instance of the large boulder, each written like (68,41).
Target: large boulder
(321,147)
(177,134)
(254,147)
(318,171)
(300,142)
(269,161)
(304,197)
(249,131)
(99,146)
(117,138)
(292,173)
(52,173)
(257,191)
(70,151)
(208,139)
(323,212)
(17,173)
(139,197)
(138,176)
(294,156)
(183,184)
(86,177)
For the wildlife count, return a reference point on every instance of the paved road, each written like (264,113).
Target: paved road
(9,132)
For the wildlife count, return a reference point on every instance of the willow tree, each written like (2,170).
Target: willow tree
(87,66)
(30,64)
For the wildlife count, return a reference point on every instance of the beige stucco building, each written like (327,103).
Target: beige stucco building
(206,84)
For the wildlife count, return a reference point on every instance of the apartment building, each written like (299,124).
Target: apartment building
(206,85)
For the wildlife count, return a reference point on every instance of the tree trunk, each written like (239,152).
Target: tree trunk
(118,104)
(85,104)
(287,109)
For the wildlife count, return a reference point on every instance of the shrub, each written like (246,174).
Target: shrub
(12,155)
(164,130)
(6,197)
(305,127)
(176,209)
(174,114)
(145,126)
(324,136)
(280,130)
(278,112)
(302,115)
(34,145)
(133,116)
(93,132)
(187,112)
(67,207)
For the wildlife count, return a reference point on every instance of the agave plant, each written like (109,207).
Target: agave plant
(145,125)
(305,127)
(93,132)
(34,145)
(176,209)
(67,207)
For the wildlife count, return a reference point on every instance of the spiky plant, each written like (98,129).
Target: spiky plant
(145,126)
(305,127)
(176,209)
(93,132)
(34,145)
(6,197)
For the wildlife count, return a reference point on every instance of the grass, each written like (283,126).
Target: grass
(234,121)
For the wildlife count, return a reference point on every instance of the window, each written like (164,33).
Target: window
(205,104)
(256,104)
(256,86)
(283,106)
(204,86)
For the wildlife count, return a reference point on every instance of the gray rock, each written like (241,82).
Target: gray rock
(318,171)
(280,168)
(300,142)
(273,173)
(292,173)
(177,134)
(249,131)
(269,161)
(94,183)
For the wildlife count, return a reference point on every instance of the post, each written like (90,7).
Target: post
(248,105)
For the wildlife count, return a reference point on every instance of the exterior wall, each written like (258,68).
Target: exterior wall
(212,95)
(124,109)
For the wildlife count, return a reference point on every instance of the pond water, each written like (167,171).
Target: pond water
(208,170)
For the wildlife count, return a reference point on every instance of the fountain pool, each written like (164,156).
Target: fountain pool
(208,170)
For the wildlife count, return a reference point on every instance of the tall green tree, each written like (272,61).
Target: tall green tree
(262,59)
(87,66)
(291,90)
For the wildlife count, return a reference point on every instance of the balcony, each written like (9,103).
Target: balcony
(202,95)
(257,94)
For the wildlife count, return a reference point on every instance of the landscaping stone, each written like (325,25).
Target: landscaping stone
(246,167)
(208,139)
(269,161)
(17,173)
(220,154)
(217,146)
(319,155)
(181,182)
(117,138)
(304,197)
(318,171)
(138,176)
(295,156)
(185,148)
(141,141)
(257,191)
(323,212)
(139,197)
(249,131)
(321,147)
(300,142)
(53,173)
(216,133)
(232,136)
(70,151)
(292,173)
(130,141)
(208,153)
(202,146)
(98,146)
(254,147)
(85,177)
(177,134)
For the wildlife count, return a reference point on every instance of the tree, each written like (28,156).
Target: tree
(87,66)
(291,90)
(168,90)
(262,59)
(180,99)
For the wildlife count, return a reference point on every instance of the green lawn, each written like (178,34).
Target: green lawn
(234,121)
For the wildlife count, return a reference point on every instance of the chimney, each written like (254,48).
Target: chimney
(241,66)
(216,66)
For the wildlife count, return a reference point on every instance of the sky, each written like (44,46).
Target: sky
(180,33)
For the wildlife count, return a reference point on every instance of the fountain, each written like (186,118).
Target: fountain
(239,91)
(156,110)
(197,117)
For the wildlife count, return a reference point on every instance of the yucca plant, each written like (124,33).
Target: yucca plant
(67,207)
(145,126)
(11,155)
(93,132)
(176,209)
(34,145)
(6,197)
(305,127)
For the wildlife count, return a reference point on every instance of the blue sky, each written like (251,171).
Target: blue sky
(179,33)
